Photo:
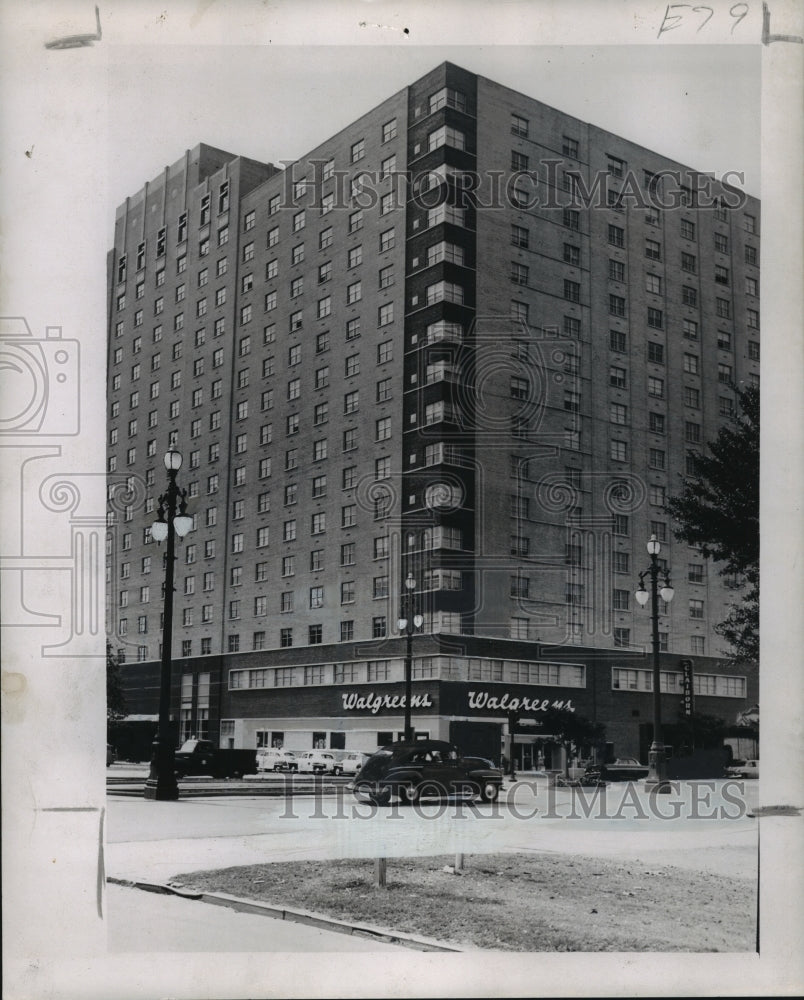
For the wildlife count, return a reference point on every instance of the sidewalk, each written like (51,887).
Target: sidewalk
(149,922)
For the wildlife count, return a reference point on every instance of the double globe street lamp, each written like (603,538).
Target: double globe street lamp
(410,621)
(161,782)
(657,765)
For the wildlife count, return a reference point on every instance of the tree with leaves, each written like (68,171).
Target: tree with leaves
(571,731)
(718,510)
(115,699)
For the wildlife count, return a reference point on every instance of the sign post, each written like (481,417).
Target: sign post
(688,696)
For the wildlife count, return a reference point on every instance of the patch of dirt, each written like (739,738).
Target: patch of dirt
(513,902)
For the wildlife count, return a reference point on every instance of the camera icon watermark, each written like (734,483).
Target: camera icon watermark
(39,381)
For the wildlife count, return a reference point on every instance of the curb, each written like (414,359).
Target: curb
(284,913)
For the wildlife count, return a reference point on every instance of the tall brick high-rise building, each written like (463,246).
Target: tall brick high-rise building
(468,338)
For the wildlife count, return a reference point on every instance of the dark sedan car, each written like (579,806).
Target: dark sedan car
(424,768)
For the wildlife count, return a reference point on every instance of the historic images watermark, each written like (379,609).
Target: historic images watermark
(551,183)
(717,800)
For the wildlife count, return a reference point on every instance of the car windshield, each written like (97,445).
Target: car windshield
(188,746)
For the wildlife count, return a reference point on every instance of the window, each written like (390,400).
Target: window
(688,263)
(617,377)
(325,238)
(655,319)
(692,397)
(569,147)
(750,255)
(356,221)
(347,592)
(753,350)
(358,150)
(690,329)
(519,237)
(298,221)
(752,317)
(653,284)
(656,352)
(656,458)
(618,414)
(616,268)
(616,305)
(618,451)
(572,290)
(725,406)
(324,307)
(696,608)
(749,224)
(653,250)
(349,516)
(655,386)
(621,525)
(571,219)
(721,275)
(622,637)
(724,340)
(285,640)
(656,423)
(725,373)
(519,126)
(687,229)
(689,296)
(616,236)
(289,531)
(386,240)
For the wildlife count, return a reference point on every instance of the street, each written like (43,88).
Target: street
(701,826)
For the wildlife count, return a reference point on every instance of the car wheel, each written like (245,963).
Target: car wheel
(337,771)
(489,791)
(381,797)
(277,767)
(410,794)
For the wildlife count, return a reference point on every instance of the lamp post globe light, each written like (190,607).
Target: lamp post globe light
(657,764)
(410,621)
(161,782)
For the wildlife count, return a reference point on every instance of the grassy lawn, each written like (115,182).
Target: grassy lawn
(513,902)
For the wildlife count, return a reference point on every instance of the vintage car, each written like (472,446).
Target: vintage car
(424,768)
(621,769)
(317,762)
(748,769)
(275,759)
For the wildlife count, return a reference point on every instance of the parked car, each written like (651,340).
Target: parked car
(275,759)
(111,756)
(317,762)
(424,768)
(749,769)
(621,769)
(350,763)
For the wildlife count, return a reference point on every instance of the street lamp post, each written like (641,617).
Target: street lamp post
(409,622)
(161,782)
(657,765)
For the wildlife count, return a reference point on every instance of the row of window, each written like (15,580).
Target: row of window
(671,682)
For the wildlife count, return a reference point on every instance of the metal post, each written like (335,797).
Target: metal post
(657,765)
(380,871)
(409,672)
(161,782)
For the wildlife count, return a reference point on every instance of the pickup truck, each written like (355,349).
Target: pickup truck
(203,757)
